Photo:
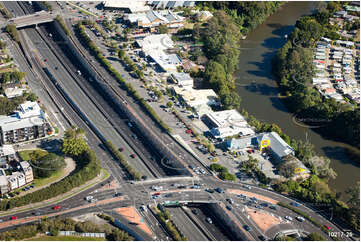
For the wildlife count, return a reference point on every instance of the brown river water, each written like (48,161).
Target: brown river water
(259,91)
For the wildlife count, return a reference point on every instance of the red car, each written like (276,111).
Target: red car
(133,155)
(45,60)
(56,207)
(327,227)
(121,149)
(157,194)
(189,131)
(13,217)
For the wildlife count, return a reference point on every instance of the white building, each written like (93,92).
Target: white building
(227,123)
(20,178)
(12,92)
(29,122)
(182,79)
(129,6)
(28,171)
(7,153)
(193,97)
(13,182)
(158,42)
(4,185)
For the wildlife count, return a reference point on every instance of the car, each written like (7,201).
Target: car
(273,207)
(121,149)
(247,187)
(230,200)
(143,208)
(295,204)
(262,238)
(209,190)
(229,208)
(168,195)
(195,211)
(258,206)
(264,205)
(134,136)
(247,228)
(288,218)
(56,207)
(13,217)
(219,190)
(118,194)
(301,219)
(37,213)
(133,155)
(156,194)
(209,220)
(46,60)
(326,226)
(188,131)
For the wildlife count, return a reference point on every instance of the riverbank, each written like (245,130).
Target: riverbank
(259,91)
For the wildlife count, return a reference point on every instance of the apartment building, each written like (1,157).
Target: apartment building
(27,123)
(28,171)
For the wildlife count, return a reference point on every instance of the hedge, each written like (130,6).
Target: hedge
(133,173)
(62,24)
(130,89)
(167,222)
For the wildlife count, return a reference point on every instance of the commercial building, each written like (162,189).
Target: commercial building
(7,153)
(182,79)
(26,124)
(227,123)
(153,47)
(194,97)
(4,186)
(27,170)
(171,4)
(271,141)
(127,6)
(12,92)
(151,19)
(159,42)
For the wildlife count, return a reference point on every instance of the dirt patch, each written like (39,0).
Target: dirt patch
(132,215)
(92,217)
(263,219)
(250,194)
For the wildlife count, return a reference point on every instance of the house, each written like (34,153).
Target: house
(193,97)
(340,14)
(320,80)
(28,123)
(28,171)
(275,144)
(7,153)
(127,6)
(182,79)
(4,185)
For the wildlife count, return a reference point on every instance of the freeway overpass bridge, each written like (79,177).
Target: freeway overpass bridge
(33,19)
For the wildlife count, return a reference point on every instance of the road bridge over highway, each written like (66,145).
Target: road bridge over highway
(33,19)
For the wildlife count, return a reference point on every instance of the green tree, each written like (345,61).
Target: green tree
(169,104)
(163,29)
(74,143)
(11,29)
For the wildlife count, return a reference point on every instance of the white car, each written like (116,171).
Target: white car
(288,218)
(301,219)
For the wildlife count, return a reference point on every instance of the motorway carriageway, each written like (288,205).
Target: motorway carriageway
(91,109)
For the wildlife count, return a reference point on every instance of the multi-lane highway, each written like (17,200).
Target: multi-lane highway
(99,112)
